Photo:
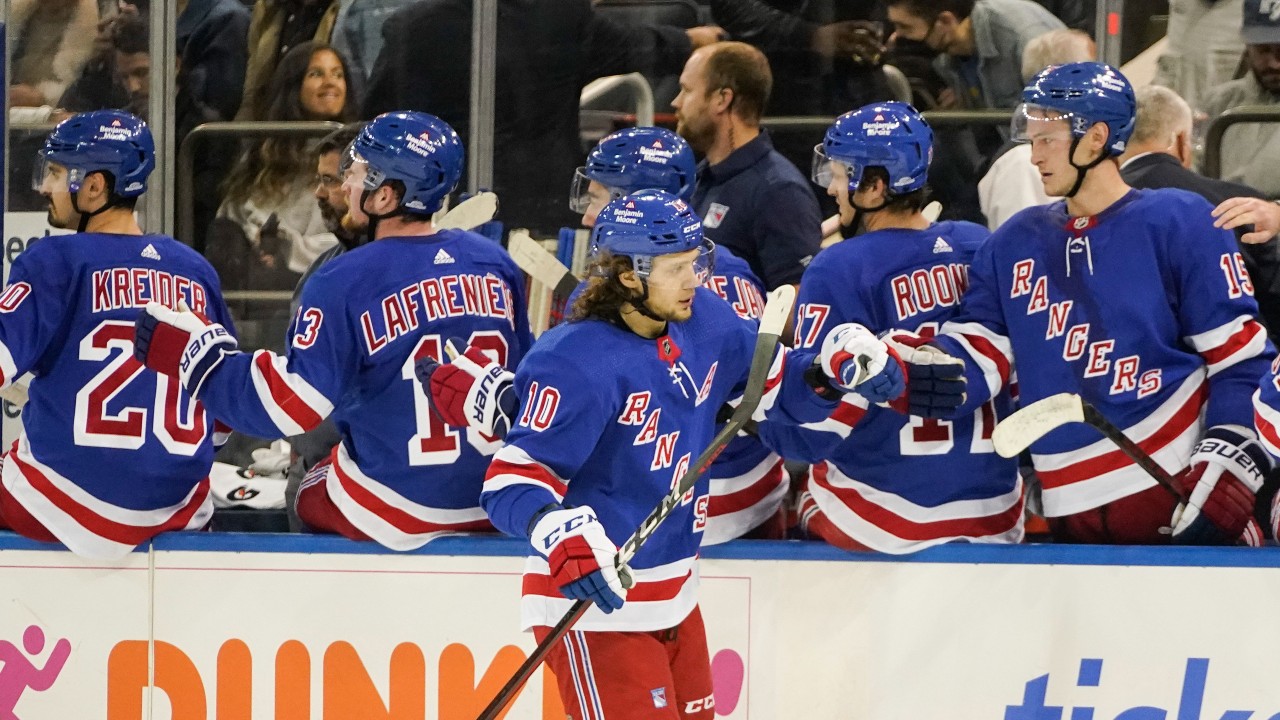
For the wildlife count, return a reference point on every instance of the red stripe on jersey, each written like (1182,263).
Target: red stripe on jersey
(772,380)
(989,350)
(1115,459)
(655,591)
(905,529)
(848,414)
(1233,344)
(284,397)
(534,471)
(394,516)
(1269,433)
(747,496)
(99,525)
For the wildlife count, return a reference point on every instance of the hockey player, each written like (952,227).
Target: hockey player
(615,404)
(1132,299)
(399,476)
(748,482)
(880,480)
(111,454)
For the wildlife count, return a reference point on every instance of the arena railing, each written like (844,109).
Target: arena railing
(1218,127)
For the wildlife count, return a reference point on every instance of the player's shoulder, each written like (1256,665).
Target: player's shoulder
(567,349)
(479,249)
(1173,204)
(1030,223)
(961,231)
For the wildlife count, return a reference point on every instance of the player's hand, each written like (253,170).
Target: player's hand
(581,557)
(1227,468)
(1263,215)
(472,390)
(180,344)
(935,381)
(856,360)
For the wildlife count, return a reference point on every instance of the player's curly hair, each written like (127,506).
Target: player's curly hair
(604,295)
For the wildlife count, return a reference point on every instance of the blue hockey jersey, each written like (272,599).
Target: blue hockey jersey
(1145,310)
(400,475)
(605,421)
(111,453)
(894,483)
(748,483)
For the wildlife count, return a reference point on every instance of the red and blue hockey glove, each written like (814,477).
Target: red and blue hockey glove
(180,344)
(1227,468)
(581,557)
(857,361)
(935,381)
(472,390)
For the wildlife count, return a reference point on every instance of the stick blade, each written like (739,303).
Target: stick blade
(932,211)
(1016,432)
(777,309)
(470,213)
(540,265)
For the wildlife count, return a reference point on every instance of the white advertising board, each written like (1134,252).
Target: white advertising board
(342,636)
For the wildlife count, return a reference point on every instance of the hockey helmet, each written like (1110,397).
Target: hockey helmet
(1082,93)
(110,141)
(650,223)
(419,150)
(891,135)
(641,158)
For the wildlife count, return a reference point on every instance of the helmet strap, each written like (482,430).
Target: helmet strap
(855,227)
(641,304)
(1081,170)
(113,200)
(371,229)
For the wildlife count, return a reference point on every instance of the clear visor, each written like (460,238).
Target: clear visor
(351,166)
(587,196)
(49,177)
(1035,123)
(683,271)
(826,169)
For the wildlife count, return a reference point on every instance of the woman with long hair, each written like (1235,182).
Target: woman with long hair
(268,194)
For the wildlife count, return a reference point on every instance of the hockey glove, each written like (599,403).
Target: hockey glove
(180,344)
(472,390)
(856,360)
(581,557)
(1227,468)
(935,381)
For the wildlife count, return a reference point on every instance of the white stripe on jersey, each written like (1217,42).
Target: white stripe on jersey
(277,374)
(634,616)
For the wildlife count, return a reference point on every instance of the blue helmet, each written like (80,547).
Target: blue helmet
(642,158)
(891,135)
(111,141)
(649,223)
(1084,93)
(418,149)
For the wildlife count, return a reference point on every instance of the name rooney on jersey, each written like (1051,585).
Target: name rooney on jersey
(433,299)
(127,288)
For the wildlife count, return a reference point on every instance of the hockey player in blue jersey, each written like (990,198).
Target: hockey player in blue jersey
(880,480)
(111,454)
(400,476)
(1130,298)
(615,404)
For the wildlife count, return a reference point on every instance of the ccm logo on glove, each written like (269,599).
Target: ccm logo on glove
(572,524)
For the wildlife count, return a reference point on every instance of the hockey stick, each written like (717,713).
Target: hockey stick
(470,213)
(16,393)
(772,322)
(831,226)
(1016,432)
(541,265)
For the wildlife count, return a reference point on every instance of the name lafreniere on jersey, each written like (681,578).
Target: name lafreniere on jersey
(436,298)
(1126,372)
(130,288)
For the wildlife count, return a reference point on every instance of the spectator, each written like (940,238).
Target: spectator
(752,199)
(825,56)
(357,32)
(1203,48)
(270,192)
(49,47)
(1159,156)
(330,199)
(1012,182)
(1250,152)
(212,46)
(980,44)
(547,51)
(118,75)
(277,27)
